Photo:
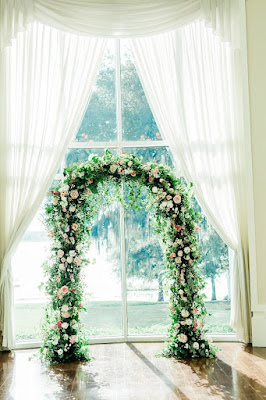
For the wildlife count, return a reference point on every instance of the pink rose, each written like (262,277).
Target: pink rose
(194,311)
(60,253)
(177,228)
(178,260)
(62,267)
(177,199)
(133,173)
(150,179)
(64,209)
(65,315)
(74,227)
(63,259)
(172,255)
(73,339)
(190,262)
(177,326)
(55,201)
(77,260)
(64,289)
(74,194)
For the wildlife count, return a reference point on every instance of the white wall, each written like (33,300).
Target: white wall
(256,57)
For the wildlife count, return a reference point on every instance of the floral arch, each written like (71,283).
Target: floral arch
(70,208)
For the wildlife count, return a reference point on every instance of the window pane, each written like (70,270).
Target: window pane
(104,315)
(80,155)
(29,299)
(99,121)
(214,268)
(160,155)
(145,267)
(137,119)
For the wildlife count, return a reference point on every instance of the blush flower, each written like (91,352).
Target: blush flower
(73,339)
(74,227)
(64,289)
(177,199)
(184,313)
(60,253)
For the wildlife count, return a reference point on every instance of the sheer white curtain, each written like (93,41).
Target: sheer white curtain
(189,77)
(46,78)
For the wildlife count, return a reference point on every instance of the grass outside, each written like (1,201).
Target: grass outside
(105,318)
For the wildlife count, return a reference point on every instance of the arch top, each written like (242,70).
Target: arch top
(73,203)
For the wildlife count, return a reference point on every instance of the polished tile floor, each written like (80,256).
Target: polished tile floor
(131,372)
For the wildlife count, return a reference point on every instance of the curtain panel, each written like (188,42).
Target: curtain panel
(119,18)
(190,79)
(46,78)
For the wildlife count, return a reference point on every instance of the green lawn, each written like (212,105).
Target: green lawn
(105,318)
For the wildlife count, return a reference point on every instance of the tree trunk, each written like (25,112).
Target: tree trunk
(213,288)
(160,292)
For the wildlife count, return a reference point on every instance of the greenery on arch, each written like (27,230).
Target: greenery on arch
(71,207)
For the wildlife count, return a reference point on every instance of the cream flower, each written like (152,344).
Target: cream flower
(74,194)
(182,338)
(184,313)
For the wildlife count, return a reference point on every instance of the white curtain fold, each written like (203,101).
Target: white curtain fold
(119,18)
(46,78)
(189,77)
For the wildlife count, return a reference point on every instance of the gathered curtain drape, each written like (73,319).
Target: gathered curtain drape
(189,78)
(49,57)
(46,79)
(119,18)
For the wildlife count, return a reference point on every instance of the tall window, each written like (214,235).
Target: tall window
(124,247)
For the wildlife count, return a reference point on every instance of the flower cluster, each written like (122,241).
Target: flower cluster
(70,208)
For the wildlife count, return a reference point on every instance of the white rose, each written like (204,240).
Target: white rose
(72,208)
(69,259)
(155,189)
(130,163)
(181,291)
(75,326)
(187,250)
(65,336)
(113,168)
(182,338)
(184,313)
(60,352)
(163,204)
(195,345)
(64,308)
(188,321)
(55,342)
(66,228)
(180,253)
(72,253)
(64,325)
(170,204)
